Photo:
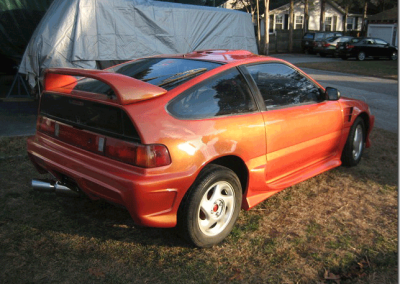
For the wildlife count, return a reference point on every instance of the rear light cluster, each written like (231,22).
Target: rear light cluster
(145,156)
(326,44)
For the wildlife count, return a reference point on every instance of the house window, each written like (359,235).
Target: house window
(328,24)
(278,22)
(299,22)
(350,23)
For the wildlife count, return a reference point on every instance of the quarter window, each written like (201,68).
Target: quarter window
(227,94)
(283,86)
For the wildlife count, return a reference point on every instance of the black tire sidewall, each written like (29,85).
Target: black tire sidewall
(347,154)
(188,214)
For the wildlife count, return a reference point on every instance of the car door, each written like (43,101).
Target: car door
(382,48)
(301,127)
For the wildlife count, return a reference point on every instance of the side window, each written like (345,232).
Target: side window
(282,86)
(379,41)
(222,95)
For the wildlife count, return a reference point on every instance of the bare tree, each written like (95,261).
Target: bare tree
(346,14)
(363,28)
(266,27)
(322,16)
(291,22)
(258,26)
(305,25)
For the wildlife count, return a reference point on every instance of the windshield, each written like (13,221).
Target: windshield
(167,73)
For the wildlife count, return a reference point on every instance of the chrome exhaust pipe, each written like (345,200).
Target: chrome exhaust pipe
(52,186)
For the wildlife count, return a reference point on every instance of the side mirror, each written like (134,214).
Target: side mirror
(332,94)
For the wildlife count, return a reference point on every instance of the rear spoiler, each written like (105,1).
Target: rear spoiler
(128,90)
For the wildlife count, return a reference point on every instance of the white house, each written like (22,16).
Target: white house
(384,26)
(334,16)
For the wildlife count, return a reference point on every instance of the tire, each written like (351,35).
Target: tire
(361,56)
(211,206)
(393,56)
(355,144)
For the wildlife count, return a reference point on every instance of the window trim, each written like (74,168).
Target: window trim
(206,81)
(260,97)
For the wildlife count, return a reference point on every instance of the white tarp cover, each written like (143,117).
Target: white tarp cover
(77,33)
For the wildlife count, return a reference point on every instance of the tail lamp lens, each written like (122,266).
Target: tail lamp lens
(146,156)
(350,46)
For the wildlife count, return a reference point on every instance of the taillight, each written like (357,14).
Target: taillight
(146,156)
(349,46)
(326,44)
(46,125)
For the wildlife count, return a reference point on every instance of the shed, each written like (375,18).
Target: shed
(92,34)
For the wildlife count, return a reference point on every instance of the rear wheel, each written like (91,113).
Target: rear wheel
(393,56)
(354,147)
(361,56)
(210,208)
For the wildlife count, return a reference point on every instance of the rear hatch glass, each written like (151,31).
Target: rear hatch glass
(167,73)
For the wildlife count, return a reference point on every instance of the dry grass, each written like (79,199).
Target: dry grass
(339,225)
(374,68)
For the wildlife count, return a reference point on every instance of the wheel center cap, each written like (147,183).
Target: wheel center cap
(218,207)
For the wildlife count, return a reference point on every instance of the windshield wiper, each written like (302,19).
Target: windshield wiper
(181,76)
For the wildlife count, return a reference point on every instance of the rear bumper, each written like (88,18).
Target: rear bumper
(152,199)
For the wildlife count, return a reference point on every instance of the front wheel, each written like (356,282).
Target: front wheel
(354,147)
(361,56)
(211,207)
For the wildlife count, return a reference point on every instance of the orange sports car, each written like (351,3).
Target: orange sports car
(188,140)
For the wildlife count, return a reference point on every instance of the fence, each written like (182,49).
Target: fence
(279,41)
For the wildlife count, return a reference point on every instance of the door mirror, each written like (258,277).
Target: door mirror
(332,94)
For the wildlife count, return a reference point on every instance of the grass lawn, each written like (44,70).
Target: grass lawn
(340,225)
(374,68)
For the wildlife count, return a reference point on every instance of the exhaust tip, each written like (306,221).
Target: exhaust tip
(43,185)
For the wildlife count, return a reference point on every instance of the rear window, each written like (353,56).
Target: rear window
(319,36)
(167,73)
(92,116)
(308,36)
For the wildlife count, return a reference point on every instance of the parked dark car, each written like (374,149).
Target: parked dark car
(368,47)
(328,46)
(310,40)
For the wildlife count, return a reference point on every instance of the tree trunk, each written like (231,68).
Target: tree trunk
(266,27)
(258,26)
(305,24)
(291,22)
(346,14)
(363,18)
(322,17)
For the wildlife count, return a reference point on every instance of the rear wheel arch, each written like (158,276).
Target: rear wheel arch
(237,165)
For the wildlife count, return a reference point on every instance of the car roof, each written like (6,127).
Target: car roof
(222,56)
